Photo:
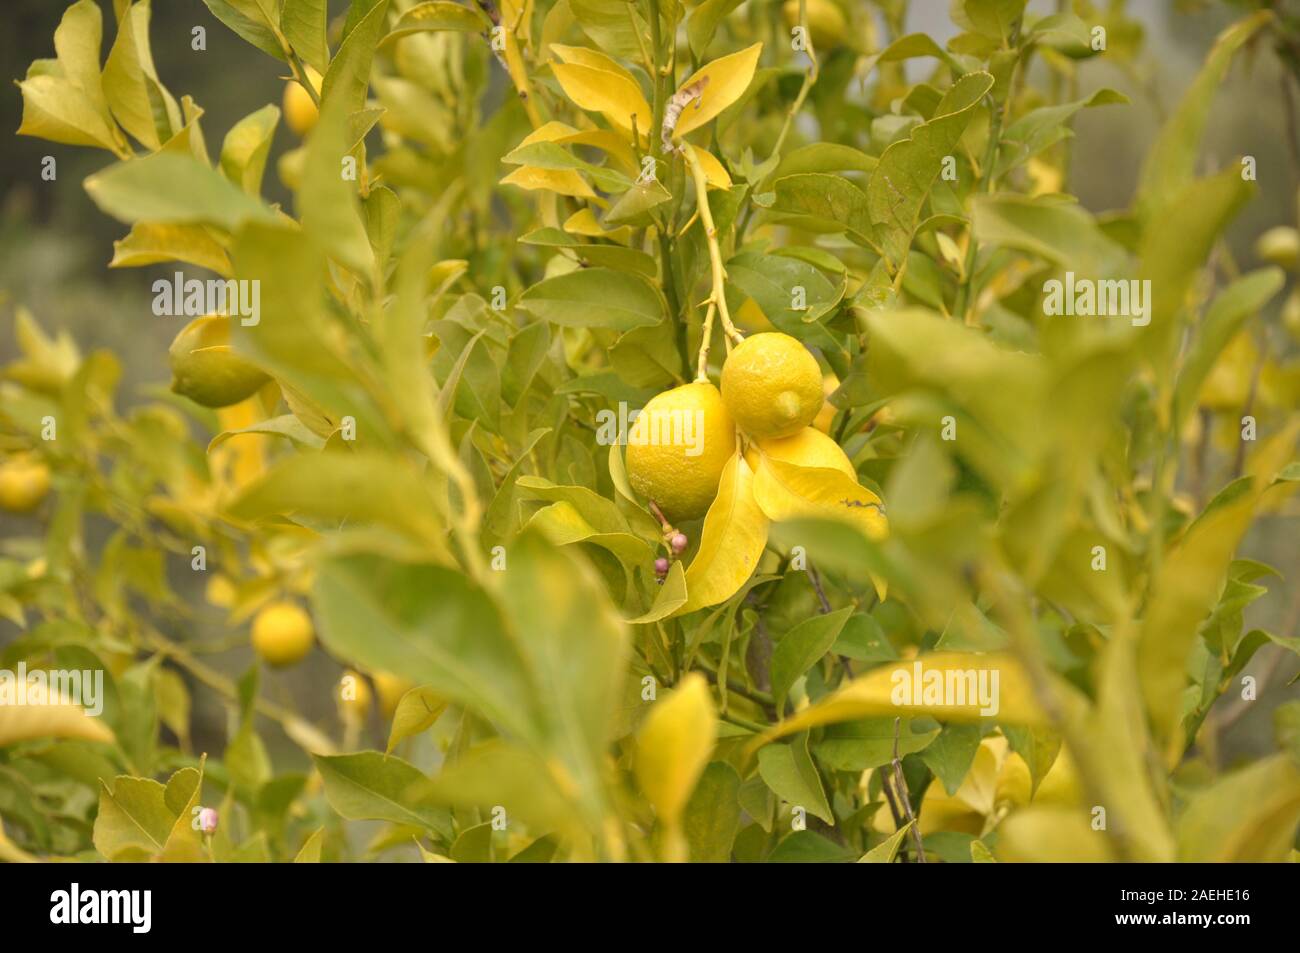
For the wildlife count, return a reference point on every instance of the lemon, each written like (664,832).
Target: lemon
(282,633)
(390,688)
(826,24)
(206,370)
(354,696)
(1280,245)
(677,448)
(810,448)
(24,482)
(300,111)
(772,385)
(826,416)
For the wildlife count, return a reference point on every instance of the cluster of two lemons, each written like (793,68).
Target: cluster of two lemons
(772,389)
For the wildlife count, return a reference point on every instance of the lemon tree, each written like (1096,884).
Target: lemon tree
(665,431)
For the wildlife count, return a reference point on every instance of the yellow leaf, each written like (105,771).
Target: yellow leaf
(950,686)
(714,173)
(582,56)
(149,244)
(583,222)
(734,534)
(785,491)
(59,720)
(559,181)
(725,79)
(611,92)
(674,745)
(1051,835)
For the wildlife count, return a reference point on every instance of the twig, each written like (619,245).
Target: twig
(901,783)
(717,296)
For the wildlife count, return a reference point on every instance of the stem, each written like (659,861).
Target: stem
(900,783)
(717,296)
(809,78)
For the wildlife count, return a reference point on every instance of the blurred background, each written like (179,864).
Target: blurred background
(55,244)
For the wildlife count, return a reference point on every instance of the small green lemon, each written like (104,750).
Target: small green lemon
(772,385)
(206,370)
(677,448)
(282,633)
(24,482)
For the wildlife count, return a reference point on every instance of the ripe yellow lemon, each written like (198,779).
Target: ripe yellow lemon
(206,370)
(810,448)
(772,385)
(354,696)
(390,688)
(826,416)
(24,482)
(1280,245)
(282,633)
(677,448)
(300,112)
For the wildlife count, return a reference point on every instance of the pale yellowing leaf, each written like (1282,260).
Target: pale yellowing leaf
(1051,835)
(785,491)
(674,745)
(60,720)
(732,541)
(416,711)
(149,244)
(895,690)
(725,80)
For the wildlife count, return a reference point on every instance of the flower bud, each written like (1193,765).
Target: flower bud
(679,542)
(208,820)
(661,566)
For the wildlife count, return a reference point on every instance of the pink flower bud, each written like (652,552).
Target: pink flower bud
(208,820)
(661,566)
(679,542)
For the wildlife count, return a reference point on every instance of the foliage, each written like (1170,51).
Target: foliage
(509,224)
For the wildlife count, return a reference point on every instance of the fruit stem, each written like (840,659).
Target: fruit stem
(809,78)
(717,296)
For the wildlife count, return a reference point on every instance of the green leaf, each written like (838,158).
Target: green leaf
(596,297)
(149,244)
(712,815)
(135,94)
(1248,816)
(821,202)
(440,15)
(416,712)
(801,648)
(1171,161)
(254,29)
(167,189)
(349,71)
(431,625)
(1242,299)
(310,851)
(1065,235)
(134,821)
(337,486)
(951,754)
(789,771)
(908,168)
(303,23)
(372,786)
(887,850)
(246,146)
